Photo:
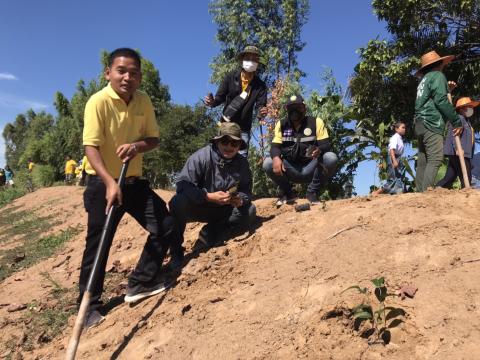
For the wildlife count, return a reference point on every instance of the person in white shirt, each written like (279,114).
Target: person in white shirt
(394,184)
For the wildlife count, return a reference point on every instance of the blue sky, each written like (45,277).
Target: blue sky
(47,46)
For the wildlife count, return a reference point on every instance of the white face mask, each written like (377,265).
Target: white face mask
(249,66)
(468,112)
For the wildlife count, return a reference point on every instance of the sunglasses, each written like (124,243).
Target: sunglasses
(227,141)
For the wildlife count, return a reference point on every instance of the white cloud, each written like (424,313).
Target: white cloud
(7,76)
(13,101)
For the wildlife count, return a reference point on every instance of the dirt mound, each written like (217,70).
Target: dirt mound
(275,293)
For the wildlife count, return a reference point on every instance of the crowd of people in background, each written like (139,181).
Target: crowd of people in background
(6,177)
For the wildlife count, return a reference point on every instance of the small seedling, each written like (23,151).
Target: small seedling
(381,317)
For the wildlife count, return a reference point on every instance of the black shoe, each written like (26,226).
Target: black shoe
(312,198)
(207,236)
(142,291)
(93,318)
(176,260)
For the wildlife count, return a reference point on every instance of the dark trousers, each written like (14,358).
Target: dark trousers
(454,169)
(216,217)
(149,210)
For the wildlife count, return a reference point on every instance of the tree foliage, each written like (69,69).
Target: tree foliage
(47,139)
(273,26)
(383,86)
(183,130)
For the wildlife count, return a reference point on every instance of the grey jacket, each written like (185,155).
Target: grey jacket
(467,139)
(207,171)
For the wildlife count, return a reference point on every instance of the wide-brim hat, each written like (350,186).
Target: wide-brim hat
(466,102)
(431,58)
(231,130)
(295,100)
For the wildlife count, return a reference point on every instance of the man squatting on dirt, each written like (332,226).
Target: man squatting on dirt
(214,186)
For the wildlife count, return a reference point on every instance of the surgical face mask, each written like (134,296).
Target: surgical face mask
(295,115)
(249,66)
(468,112)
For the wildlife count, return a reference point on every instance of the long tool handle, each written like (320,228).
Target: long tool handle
(461,156)
(101,253)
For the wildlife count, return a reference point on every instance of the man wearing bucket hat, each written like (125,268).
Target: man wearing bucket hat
(300,153)
(241,91)
(214,186)
(432,110)
(464,107)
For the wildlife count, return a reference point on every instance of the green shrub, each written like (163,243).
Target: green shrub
(43,175)
(11,193)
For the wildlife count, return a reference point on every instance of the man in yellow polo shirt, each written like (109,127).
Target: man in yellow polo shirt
(70,166)
(120,126)
(300,153)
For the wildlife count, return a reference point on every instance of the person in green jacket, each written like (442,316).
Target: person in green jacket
(433,108)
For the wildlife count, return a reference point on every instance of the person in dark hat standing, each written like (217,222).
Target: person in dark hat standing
(214,186)
(241,91)
(433,108)
(464,107)
(300,153)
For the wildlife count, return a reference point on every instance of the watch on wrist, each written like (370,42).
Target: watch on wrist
(134,147)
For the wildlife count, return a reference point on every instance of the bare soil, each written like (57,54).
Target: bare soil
(271,294)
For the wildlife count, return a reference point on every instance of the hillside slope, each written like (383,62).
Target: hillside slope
(271,294)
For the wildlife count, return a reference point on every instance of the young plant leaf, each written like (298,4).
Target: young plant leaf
(394,312)
(395,323)
(360,290)
(363,315)
(381,293)
(378,282)
(362,307)
(386,336)
(378,313)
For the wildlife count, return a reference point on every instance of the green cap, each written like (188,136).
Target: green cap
(233,131)
(250,49)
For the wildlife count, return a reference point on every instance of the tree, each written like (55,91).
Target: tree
(273,26)
(13,133)
(183,130)
(383,86)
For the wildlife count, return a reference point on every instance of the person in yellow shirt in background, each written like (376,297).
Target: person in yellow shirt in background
(31,165)
(80,172)
(120,126)
(70,166)
(29,182)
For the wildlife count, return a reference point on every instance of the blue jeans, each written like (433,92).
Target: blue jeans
(394,184)
(316,173)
